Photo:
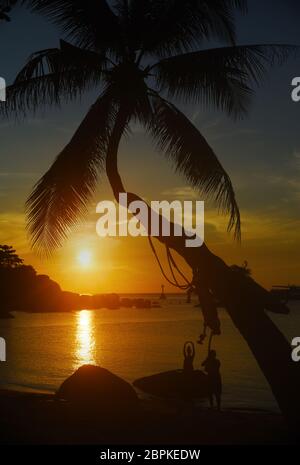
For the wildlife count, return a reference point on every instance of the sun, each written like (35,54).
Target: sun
(84,258)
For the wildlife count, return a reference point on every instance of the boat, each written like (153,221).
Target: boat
(175,384)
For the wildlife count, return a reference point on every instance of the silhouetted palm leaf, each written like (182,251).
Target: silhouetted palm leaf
(62,194)
(166,27)
(53,75)
(222,77)
(90,24)
(184,145)
(5,9)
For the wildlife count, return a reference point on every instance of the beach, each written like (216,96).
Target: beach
(40,419)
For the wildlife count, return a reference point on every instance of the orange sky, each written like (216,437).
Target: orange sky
(127,264)
(270,225)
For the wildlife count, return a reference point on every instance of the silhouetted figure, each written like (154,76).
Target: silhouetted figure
(212,368)
(189,355)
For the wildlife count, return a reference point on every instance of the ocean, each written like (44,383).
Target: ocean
(43,349)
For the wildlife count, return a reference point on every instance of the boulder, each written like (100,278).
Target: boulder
(96,387)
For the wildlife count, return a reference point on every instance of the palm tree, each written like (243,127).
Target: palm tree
(143,56)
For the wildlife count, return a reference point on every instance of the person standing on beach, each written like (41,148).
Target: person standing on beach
(212,368)
(189,355)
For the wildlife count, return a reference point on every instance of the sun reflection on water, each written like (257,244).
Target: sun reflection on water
(85,339)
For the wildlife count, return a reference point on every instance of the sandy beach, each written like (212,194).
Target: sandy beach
(29,418)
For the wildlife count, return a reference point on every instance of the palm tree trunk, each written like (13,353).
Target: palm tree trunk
(245,301)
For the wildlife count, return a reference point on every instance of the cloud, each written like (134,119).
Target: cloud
(181,193)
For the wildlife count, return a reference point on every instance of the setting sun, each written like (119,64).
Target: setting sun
(84,258)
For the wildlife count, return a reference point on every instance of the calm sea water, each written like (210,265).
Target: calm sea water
(44,349)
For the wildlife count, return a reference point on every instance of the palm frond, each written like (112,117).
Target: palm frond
(241,5)
(192,156)
(175,26)
(223,77)
(5,9)
(53,75)
(89,24)
(60,197)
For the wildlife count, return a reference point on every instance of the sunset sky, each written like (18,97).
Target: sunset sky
(261,154)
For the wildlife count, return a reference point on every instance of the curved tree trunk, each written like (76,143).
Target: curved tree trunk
(244,299)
